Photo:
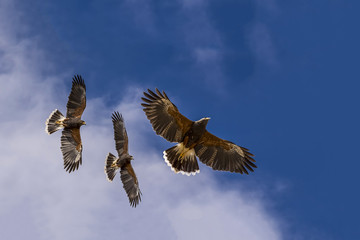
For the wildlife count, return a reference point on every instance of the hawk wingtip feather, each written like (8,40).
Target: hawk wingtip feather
(78,80)
(150,97)
(154,95)
(159,93)
(117,117)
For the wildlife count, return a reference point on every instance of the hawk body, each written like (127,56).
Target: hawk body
(122,163)
(194,134)
(193,138)
(71,146)
(72,122)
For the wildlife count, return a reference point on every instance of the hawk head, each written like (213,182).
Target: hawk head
(203,121)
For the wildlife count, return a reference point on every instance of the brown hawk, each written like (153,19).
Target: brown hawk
(71,146)
(123,162)
(193,138)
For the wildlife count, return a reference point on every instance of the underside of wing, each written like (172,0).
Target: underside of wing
(77,98)
(120,134)
(164,116)
(71,149)
(130,184)
(223,155)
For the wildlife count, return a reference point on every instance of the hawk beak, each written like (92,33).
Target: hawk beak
(84,123)
(207,118)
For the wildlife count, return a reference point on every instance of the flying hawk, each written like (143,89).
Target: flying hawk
(123,162)
(71,146)
(193,140)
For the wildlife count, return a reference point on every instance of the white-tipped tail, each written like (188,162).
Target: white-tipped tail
(54,122)
(110,167)
(181,160)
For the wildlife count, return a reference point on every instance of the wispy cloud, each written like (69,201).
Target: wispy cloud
(259,36)
(193,3)
(204,42)
(261,44)
(41,201)
(192,34)
(207,55)
(270,6)
(142,14)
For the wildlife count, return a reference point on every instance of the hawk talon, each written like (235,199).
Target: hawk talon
(182,155)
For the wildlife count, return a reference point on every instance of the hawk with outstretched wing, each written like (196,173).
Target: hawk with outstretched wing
(193,140)
(123,162)
(71,146)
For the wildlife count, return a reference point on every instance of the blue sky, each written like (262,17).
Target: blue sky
(277,77)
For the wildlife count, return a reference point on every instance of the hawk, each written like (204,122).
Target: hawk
(123,162)
(193,140)
(71,146)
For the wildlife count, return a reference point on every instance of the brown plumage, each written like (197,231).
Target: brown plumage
(123,162)
(193,138)
(71,146)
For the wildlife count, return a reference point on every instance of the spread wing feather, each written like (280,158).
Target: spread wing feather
(120,134)
(77,98)
(164,116)
(224,155)
(71,148)
(130,184)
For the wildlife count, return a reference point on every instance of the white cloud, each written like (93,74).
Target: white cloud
(261,44)
(259,36)
(192,3)
(204,43)
(142,14)
(196,31)
(40,200)
(206,55)
(270,6)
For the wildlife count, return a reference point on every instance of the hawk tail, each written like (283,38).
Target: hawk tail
(54,122)
(182,160)
(110,167)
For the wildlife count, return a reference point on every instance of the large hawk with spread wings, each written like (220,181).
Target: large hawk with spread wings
(123,162)
(193,138)
(71,146)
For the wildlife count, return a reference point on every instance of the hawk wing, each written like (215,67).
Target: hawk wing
(224,155)
(77,98)
(164,116)
(120,134)
(130,184)
(71,148)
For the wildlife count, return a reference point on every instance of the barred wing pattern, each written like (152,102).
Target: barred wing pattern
(130,184)
(71,148)
(120,134)
(77,98)
(224,155)
(164,116)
